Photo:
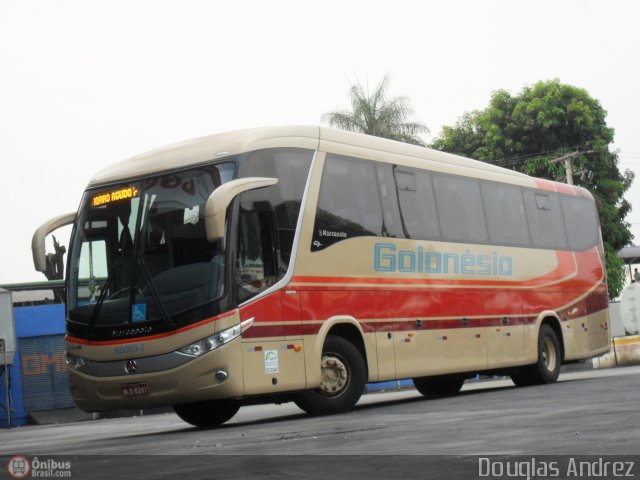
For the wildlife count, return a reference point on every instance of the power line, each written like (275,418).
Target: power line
(517,160)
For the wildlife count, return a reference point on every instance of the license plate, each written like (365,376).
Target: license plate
(134,389)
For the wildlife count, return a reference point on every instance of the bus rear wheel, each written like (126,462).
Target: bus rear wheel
(342,379)
(439,385)
(547,368)
(207,414)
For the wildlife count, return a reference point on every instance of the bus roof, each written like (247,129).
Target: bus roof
(218,146)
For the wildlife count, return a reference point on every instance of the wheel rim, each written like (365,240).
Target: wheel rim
(334,375)
(549,354)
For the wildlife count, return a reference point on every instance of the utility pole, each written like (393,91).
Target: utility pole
(569,171)
(567,163)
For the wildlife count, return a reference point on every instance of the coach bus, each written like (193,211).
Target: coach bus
(300,263)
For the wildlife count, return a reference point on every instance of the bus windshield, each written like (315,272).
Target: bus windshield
(139,254)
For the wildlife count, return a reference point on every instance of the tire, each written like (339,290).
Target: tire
(440,385)
(207,414)
(520,378)
(547,368)
(342,379)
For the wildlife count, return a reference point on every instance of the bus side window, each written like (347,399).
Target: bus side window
(506,220)
(417,204)
(581,222)
(460,209)
(349,202)
(256,257)
(291,167)
(545,220)
(389,201)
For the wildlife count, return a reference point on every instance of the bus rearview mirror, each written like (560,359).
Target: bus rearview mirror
(37,241)
(216,209)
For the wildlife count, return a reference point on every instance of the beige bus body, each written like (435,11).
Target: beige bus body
(406,324)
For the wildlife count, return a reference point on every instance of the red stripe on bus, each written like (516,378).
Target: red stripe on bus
(390,325)
(452,324)
(149,337)
(566,189)
(323,305)
(547,185)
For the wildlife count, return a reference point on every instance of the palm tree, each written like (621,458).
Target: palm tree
(375,114)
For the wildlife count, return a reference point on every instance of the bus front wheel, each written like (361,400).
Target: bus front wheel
(341,382)
(547,368)
(439,385)
(207,414)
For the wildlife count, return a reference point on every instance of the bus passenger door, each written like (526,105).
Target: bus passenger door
(293,346)
(273,355)
(384,337)
(506,331)
(272,348)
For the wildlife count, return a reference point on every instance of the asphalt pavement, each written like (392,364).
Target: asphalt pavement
(593,413)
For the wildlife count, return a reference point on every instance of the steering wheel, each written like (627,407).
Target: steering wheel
(119,293)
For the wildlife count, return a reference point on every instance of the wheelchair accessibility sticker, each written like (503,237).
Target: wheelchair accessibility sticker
(139,312)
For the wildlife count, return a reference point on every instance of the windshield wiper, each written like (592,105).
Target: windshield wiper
(154,293)
(101,298)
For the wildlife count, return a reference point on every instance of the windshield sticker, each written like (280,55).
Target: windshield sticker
(271,361)
(138,312)
(192,215)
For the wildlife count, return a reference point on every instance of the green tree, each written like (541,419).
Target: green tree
(543,123)
(376,114)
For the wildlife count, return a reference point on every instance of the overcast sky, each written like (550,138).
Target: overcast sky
(85,84)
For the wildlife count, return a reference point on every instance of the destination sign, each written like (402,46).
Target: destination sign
(114,196)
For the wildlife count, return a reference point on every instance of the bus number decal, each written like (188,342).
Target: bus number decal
(128,349)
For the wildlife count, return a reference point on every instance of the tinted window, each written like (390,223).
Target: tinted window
(349,202)
(506,220)
(389,200)
(268,218)
(257,268)
(581,221)
(417,203)
(291,167)
(545,219)
(460,209)
(362,198)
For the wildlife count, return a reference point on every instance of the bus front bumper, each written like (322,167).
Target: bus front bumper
(214,375)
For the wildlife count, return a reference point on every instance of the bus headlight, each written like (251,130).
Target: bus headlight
(215,341)
(75,362)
